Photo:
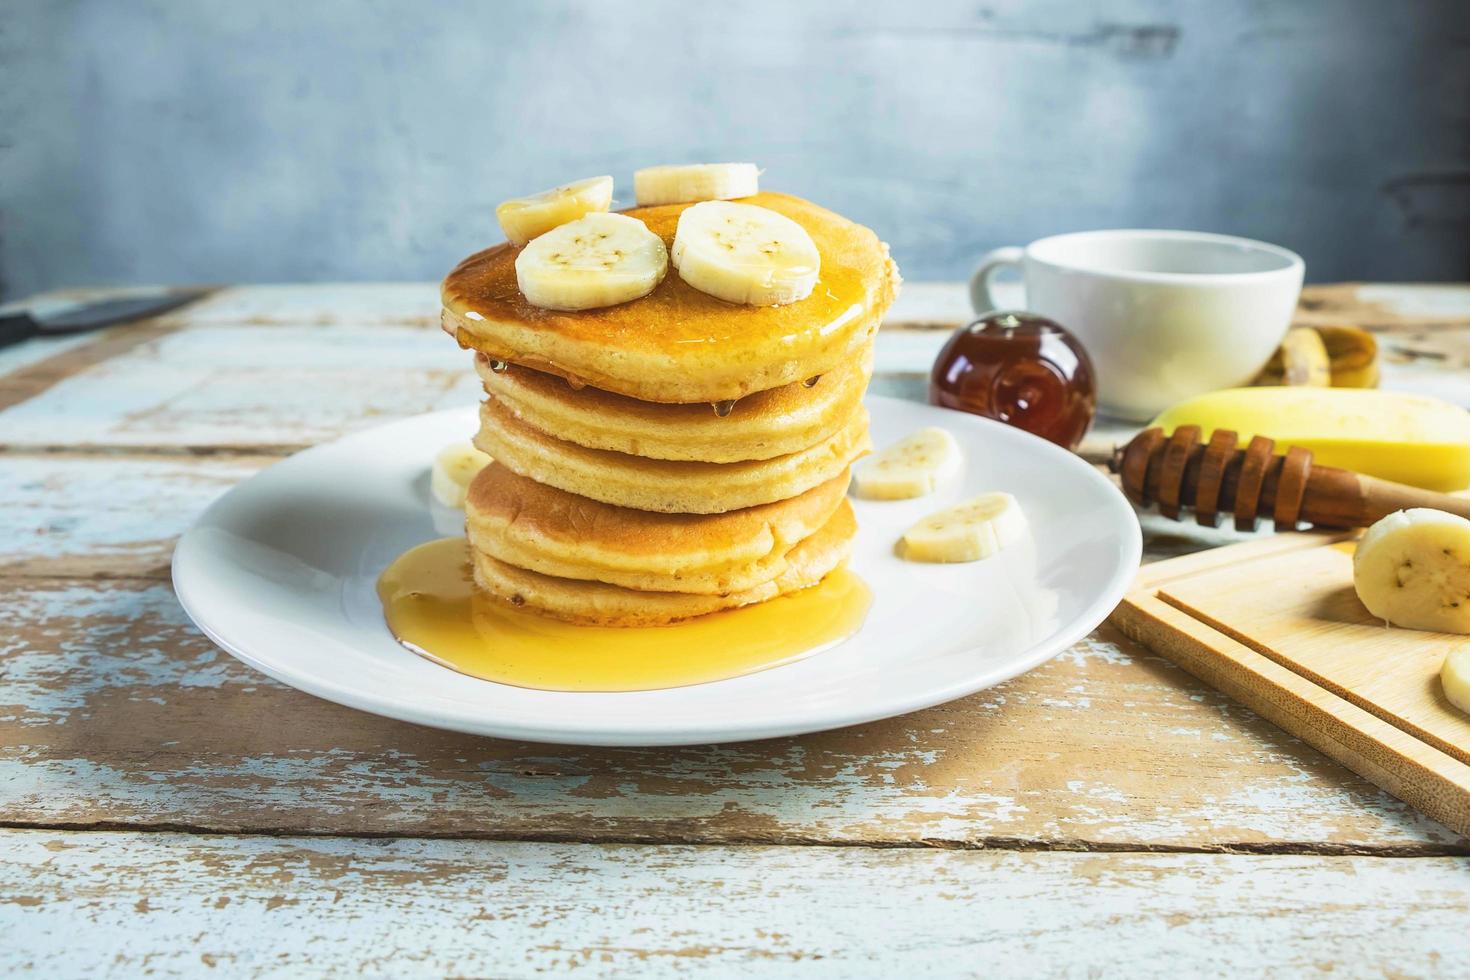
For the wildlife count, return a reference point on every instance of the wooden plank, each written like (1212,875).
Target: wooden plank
(921,305)
(1268,623)
(117,514)
(105,516)
(17,356)
(1385,306)
(114,710)
(36,375)
(320,304)
(92,904)
(277,368)
(103,675)
(246,388)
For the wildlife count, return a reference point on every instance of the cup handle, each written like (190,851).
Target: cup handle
(981,297)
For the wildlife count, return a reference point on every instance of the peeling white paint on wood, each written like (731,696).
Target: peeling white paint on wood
(115,709)
(89,904)
(87,516)
(244,386)
(17,356)
(320,303)
(292,366)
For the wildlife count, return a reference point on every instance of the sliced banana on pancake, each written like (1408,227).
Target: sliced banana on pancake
(742,253)
(454,468)
(1412,569)
(911,467)
(598,260)
(683,183)
(523,218)
(969,531)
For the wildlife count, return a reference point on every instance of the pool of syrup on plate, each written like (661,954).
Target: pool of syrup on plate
(432,606)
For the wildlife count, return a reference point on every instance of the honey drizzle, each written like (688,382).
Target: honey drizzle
(432,606)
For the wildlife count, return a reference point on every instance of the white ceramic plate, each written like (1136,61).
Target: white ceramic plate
(281,571)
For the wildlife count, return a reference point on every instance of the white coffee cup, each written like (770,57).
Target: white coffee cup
(1166,315)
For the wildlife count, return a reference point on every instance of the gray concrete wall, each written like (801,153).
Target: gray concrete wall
(333,139)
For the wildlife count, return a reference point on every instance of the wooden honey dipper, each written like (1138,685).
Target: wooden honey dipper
(1182,471)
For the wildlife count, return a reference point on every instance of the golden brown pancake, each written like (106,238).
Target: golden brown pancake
(541,528)
(678,344)
(759,426)
(599,604)
(666,486)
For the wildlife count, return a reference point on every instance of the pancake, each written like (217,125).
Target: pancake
(760,426)
(678,344)
(533,526)
(599,604)
(666,486)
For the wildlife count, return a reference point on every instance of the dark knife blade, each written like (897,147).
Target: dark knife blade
(16,327)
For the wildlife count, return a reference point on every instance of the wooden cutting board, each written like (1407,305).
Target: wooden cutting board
(1276,624)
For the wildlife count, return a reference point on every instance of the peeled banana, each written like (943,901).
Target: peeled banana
(523,218)
(742,253)
(600,259)
(695,182)
(1408,438)
(911,467)
(1455,677)
(1412,569)
(975,529)
(456,465)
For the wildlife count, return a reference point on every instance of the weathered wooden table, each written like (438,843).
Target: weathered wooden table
(165,809)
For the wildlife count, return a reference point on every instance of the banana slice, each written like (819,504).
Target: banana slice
(741,253)
(523,218)
(975,529)
(1413,569)
(600,259)
(910,468)
(695,182)
(1455,676)
(456,465)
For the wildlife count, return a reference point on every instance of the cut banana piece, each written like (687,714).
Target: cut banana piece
(975,529)
(456,465)
(600,259)
(523,218)
(1455,676)
(1412,569)
(742,253)
(695,182)
(910,468)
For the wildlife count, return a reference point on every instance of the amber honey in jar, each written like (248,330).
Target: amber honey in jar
(1020,369)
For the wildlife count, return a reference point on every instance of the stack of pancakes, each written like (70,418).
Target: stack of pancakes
(677,454)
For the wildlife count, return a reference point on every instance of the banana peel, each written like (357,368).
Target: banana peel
(1329,356)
